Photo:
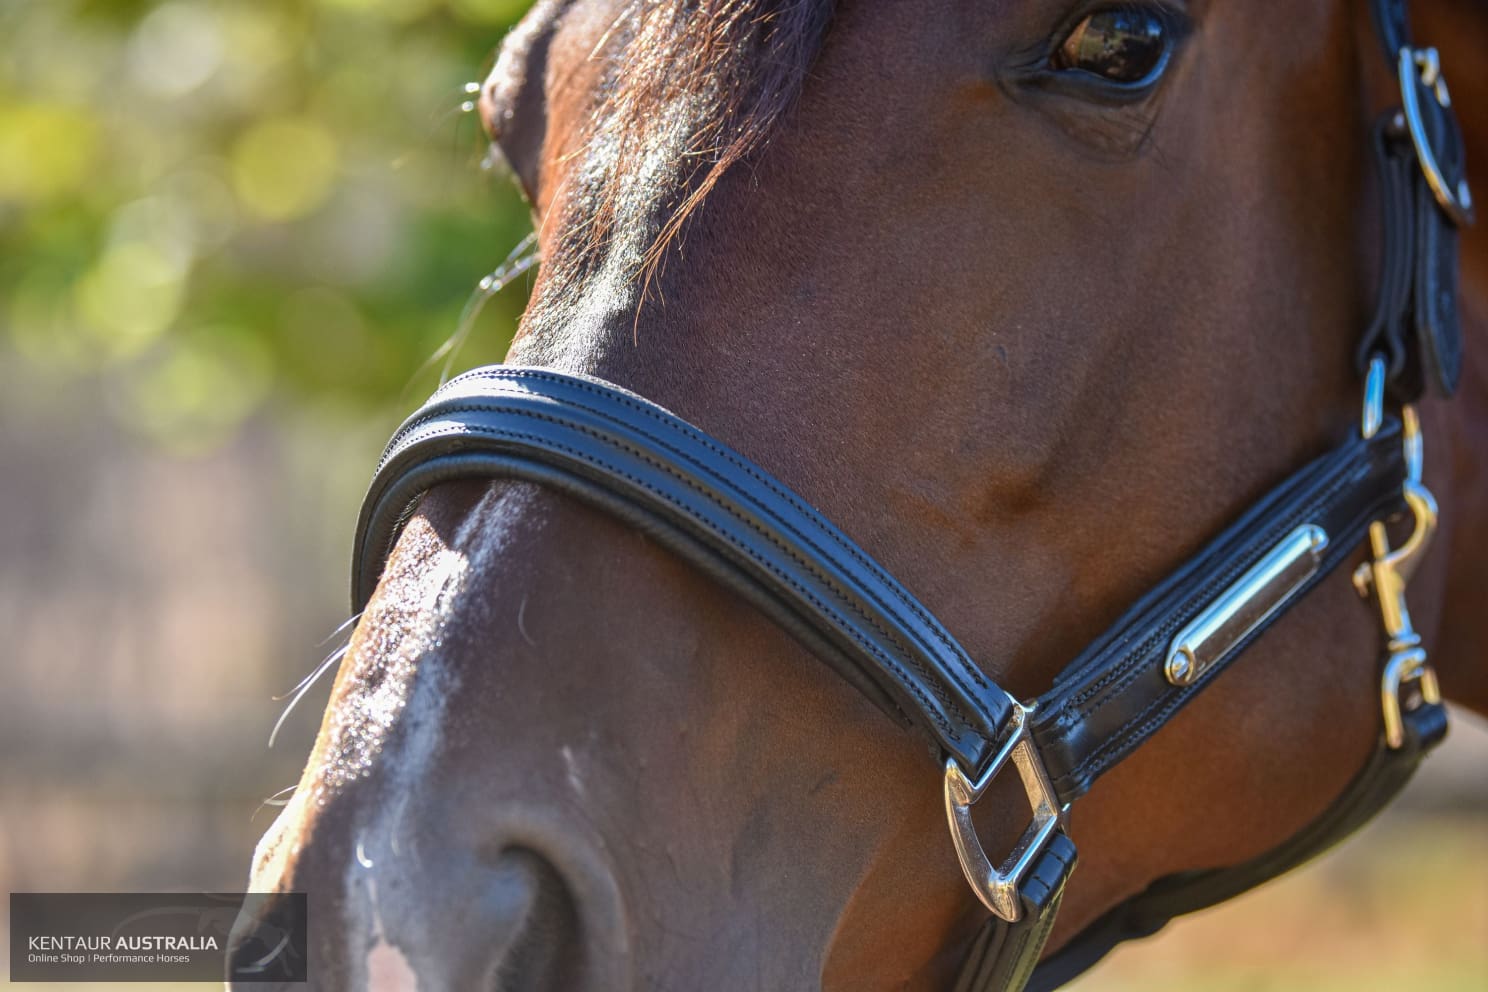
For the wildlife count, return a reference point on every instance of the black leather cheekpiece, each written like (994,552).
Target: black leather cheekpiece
(1115,695)
(1420,156)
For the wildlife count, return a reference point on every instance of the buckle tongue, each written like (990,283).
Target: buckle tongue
(997,886)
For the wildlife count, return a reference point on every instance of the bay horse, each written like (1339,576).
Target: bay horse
(1031,298)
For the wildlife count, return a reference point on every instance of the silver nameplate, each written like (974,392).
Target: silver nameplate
(1245,605)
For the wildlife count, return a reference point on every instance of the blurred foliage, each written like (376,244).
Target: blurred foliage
(208,205)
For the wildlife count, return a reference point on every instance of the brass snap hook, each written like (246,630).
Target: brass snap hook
(1387,575)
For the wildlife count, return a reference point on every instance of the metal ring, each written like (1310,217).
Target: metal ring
(1374,398)
(997,886)
(1421,67)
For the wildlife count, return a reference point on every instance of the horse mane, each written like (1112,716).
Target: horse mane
(703,81)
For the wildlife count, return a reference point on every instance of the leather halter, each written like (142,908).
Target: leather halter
(628,457)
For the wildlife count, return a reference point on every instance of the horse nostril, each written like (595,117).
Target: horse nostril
(537,939)
(463,923)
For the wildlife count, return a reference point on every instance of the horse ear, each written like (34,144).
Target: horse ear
(513,99)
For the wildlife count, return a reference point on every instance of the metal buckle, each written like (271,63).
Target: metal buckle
(997,887)
(1386,577)
(1420,68)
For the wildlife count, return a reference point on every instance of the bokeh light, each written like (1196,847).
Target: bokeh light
(299,171)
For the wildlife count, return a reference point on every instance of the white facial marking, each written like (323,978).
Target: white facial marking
(402,641)
(402,637)
(404,678)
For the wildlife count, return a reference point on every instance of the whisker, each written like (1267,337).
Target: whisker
(465,106)
(444,117)
(304,682)
(274,800)
(519,260)
(304,687)
(348,622)
(439,118)
(486,288)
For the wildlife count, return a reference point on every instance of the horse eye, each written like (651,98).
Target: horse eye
(1120,44)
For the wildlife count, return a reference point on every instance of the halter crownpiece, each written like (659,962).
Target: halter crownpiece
(628,457)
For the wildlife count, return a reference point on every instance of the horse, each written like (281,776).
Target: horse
(1031,299)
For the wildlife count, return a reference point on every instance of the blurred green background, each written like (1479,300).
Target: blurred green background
(218,207)
(232,237)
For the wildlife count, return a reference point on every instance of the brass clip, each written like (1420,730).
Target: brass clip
(1387,576)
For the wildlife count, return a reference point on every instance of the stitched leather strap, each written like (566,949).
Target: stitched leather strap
(1416,324)
(1116,695)
(1389,331)
(631,458)
(1391,26)
(1415,328)
(1004,955)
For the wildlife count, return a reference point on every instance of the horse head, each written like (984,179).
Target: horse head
(1031,299)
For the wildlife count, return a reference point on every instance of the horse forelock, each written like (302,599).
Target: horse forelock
(691,88)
